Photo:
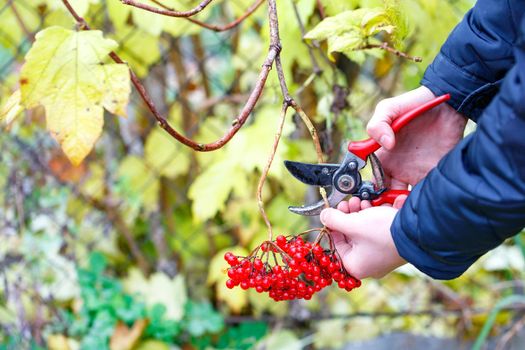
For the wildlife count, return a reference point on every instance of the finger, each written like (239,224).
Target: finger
(351,258)
(379,125)
(400,201)
(343,206)
(341,244)
(354,204)
(366,205)
(395,184)
(338,221)
(339,238)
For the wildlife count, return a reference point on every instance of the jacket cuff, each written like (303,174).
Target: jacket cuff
(412,251)
(470,95)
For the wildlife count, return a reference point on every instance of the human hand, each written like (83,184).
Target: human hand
(408,156)
(363,240)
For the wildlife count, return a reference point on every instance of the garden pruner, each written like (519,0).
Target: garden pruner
(345,179)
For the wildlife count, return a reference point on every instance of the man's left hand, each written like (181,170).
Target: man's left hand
(363,240)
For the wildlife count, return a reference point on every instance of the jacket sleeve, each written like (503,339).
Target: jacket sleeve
(475,198)
(476,56)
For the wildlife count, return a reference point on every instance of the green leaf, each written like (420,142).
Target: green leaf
(154,345)
(159,289)
(210,190)
(65,72)
(97,263)
(201,318)
(163,153)
(139,184)
(282,340)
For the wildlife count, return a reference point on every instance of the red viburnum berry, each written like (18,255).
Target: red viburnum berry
(306,269)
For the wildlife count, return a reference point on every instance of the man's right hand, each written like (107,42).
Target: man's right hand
(409,155)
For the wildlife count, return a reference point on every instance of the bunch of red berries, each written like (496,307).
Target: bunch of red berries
(307,268)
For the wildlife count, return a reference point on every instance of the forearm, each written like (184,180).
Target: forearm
(475,198)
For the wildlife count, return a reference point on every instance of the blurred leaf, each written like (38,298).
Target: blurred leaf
(282,340)
(262,304)
(504,257)
(125,338)
(210,190)
(235,298)
(159,289)
(140,184)
(11,109)
(200,318)
(163,153)
(94,184)
(133,44)
(64,170)
(74,98)
(155,345)
(81,6)
(332,334)
(58,342)
(242,337)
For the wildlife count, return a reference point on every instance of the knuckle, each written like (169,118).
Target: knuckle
(383,104)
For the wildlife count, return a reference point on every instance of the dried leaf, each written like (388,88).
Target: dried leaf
(125,338)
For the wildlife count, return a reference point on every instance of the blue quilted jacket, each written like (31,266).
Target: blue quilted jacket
(475,198)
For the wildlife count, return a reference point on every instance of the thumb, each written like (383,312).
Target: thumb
(338,221)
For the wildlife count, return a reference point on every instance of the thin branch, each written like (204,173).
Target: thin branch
(505,339)
(232,24)
(386,47)
(219,27)
(20,21)
(274,33)
(165,12)
(264,174)
(315,65)
(311,129)
(320,8)
(237,123)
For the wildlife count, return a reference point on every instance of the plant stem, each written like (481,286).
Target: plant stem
(169,13)
(264,174)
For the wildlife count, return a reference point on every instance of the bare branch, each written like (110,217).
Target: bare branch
(237,123)
(165,12)
(386,47)
(264,174)
(219,27)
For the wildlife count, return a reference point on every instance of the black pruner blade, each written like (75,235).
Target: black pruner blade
(312,174)
(315,175)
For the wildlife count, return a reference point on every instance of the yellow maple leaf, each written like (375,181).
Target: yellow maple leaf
(65,72)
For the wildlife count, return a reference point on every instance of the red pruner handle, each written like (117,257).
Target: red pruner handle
(364,148)
(388,197)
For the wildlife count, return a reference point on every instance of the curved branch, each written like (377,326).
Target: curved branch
(237,123)
(269,162)
(166,12)
(231,25)
(219,27)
